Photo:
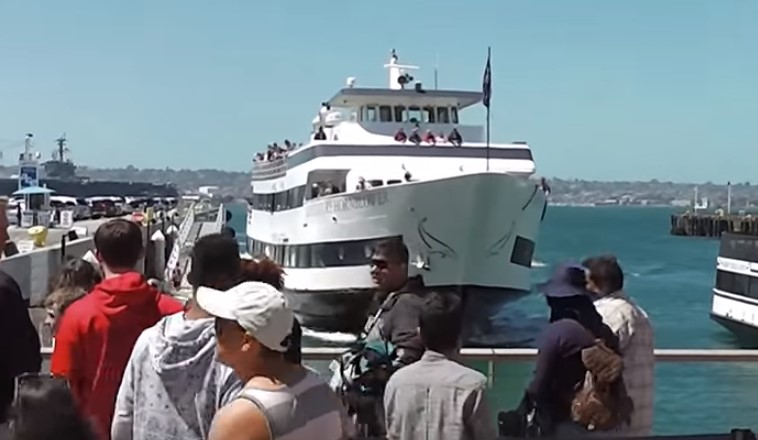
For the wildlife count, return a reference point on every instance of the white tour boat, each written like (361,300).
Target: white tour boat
(469,214)
(735,292)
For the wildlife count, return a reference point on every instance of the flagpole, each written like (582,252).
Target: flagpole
(489,52)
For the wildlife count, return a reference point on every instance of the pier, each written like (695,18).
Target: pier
(712,225)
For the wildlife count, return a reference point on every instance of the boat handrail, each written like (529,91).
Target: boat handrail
(269,169)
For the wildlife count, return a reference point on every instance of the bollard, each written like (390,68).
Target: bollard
(63,249)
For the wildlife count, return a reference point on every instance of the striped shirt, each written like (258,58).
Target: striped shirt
(303,410)
(632,325)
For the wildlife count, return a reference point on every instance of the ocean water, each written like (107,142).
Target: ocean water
(671,278)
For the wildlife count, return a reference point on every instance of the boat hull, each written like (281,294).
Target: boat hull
(473,234)
(346,311)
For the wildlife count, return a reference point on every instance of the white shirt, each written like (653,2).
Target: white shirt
(636,341)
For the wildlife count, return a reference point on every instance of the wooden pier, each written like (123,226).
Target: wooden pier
(712,225)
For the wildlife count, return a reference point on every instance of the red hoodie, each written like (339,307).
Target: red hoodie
(96,336)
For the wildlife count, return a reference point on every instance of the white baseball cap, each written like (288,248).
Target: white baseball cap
(258,308)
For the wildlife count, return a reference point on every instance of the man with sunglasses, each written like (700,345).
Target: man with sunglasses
(397,320)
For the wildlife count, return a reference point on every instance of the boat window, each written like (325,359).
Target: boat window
(400,114)
(414,115)
(739,247)
(733,283)
(393,181)
(429,116)
(442,115)
(376,182)
(523,251)
(318,180)
(334,254)
(385,113)
(369,114)
(454,114)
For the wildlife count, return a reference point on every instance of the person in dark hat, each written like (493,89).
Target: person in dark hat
(559,370)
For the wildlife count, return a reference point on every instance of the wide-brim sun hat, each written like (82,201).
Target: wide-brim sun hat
(568,279)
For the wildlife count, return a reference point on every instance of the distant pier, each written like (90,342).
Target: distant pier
(712,225)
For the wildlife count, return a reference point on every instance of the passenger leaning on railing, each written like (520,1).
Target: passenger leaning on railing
(550,402)
(436,397)
(632,325)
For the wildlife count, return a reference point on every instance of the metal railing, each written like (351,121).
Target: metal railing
(495,356)
(220,219)
(184,229)
(269,169)
(498,355)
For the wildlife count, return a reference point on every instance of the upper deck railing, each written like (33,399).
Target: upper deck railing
(269,169)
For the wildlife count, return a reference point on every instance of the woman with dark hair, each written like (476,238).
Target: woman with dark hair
(45,409)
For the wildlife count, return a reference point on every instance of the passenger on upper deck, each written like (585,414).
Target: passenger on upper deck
(429,137)
(415,137)
(362,184)
(320,135)
(455,138)
(400,136)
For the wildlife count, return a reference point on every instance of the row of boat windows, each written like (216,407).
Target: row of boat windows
(281,201)
(739,247)
(400,113)
(315,255)
(737,283)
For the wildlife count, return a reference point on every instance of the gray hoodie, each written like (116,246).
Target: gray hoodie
(173,383)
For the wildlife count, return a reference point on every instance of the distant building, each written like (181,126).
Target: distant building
(207,190)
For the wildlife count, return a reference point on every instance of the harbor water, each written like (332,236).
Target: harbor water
(671,278)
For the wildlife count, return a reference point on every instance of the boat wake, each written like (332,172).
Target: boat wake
(537,263)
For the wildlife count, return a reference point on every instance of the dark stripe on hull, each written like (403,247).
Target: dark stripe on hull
(747,335)
(404,150)
(347,311)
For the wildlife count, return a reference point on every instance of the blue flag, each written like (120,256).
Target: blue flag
(487,83)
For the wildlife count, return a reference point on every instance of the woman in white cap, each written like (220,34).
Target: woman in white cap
(280,398)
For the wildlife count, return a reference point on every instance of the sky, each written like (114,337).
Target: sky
(605,90)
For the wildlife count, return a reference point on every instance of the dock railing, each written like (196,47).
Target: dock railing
(494,356)
(181,237)
(220,219)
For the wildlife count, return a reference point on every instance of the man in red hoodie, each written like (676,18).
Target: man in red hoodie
(97,333)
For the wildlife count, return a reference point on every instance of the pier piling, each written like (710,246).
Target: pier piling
(712,225)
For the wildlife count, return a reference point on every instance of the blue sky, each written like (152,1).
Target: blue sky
(600,89)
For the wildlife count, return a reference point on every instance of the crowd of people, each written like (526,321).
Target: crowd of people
(454,138)
(131,363)
(275,151)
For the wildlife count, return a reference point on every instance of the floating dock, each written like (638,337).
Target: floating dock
(712,225)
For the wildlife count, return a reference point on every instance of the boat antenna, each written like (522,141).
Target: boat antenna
(436,68)
(28,146)
(61,141)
